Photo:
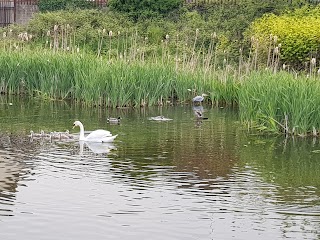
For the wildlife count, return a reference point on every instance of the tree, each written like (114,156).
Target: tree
(55,5)
(138,9)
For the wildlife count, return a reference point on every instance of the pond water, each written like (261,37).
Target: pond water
(180,179)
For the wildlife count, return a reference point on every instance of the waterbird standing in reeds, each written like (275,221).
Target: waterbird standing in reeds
(199,99)
(99,135)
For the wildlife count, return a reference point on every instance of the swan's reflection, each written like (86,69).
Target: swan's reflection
(96,147)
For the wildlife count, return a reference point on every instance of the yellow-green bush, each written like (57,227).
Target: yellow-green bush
(296,34)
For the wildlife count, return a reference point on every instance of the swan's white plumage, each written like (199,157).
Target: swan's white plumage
(95,136)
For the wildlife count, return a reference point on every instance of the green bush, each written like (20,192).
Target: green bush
(296,34)
(83,25)
(232,18)
(55,5)
(143,9)
(180,21)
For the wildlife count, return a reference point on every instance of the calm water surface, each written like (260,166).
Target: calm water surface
(159,180)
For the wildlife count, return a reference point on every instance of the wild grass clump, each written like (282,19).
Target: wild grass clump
(281,103)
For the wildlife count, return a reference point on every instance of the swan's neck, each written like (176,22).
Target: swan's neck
(81,132)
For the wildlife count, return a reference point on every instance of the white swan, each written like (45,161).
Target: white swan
(95,136)
(97,148)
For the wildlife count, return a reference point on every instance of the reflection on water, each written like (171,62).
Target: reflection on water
(96,147)
(12,170)
(168,180)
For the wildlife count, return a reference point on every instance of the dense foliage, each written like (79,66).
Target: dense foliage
(93,29)
(55,5)
(231,19)
(296,34)
(82,28)
(157,18)
(143,9)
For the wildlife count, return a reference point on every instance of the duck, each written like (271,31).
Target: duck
(99,135)
(114,120)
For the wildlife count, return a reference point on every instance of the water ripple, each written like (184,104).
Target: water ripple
(171,184)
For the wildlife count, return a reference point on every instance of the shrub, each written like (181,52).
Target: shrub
(143,9)
(296,33)
(55,5)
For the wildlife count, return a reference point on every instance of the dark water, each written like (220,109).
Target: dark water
(160,180)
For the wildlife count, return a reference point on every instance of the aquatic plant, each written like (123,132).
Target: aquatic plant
(94,81)
(280,103)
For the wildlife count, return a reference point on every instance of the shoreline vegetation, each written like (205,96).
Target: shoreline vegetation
(124,71)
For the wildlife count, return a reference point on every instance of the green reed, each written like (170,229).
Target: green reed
(97,81)
(281,103)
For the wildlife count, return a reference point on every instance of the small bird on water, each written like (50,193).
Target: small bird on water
(160,118)
(114,120)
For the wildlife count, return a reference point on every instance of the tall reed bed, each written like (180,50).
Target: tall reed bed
(280,103)
(89,80)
